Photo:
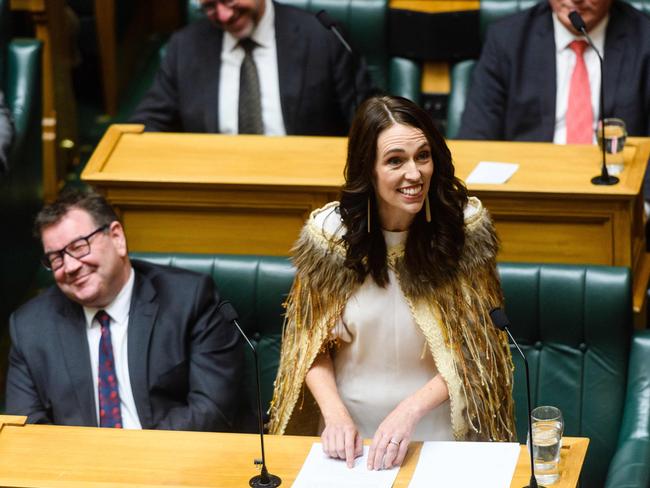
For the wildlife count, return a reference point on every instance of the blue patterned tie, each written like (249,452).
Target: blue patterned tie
(110,414)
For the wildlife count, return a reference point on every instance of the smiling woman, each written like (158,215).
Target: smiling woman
(388,319)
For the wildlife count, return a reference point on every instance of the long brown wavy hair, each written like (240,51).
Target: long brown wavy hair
(432,249)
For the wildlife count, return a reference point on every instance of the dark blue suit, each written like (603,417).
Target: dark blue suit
(184,359)
(512,96)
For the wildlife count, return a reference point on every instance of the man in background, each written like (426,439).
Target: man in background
(118,343)
(254,67)
(538,80)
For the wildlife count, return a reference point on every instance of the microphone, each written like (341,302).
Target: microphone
(330,24)
(501,322)
(604,178)
(264,479)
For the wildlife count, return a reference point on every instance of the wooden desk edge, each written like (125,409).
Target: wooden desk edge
(13,420)
(106,145)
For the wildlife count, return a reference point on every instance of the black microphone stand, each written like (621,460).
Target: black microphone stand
(500,321)
(604,178)
(264,479)
(329,23)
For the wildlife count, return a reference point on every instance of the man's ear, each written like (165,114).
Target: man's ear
(117,235)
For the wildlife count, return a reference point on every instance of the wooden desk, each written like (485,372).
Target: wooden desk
(251,194)
(49,456)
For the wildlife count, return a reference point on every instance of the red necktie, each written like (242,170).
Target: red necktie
(579,115)
(110,414)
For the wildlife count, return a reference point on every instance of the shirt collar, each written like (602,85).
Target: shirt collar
(263,34)
(118,309)
(563,36)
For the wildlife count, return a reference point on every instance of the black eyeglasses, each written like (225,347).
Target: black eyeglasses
(210,7)
(78,248)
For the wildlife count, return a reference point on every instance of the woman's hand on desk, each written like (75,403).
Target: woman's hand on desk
(341,440)
(391,441)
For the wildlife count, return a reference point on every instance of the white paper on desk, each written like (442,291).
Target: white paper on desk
(321,471)
(466,464)
(490,172)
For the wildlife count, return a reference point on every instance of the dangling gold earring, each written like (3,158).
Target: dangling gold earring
(368,215)
(427,208)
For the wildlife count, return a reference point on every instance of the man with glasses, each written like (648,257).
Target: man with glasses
(118,343)
(254,67)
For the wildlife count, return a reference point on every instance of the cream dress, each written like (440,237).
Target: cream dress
(383,357)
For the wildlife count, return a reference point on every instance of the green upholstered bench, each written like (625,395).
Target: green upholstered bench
(573,323)
(21,188)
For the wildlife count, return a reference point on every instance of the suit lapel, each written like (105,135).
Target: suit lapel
(291,48)
(71,326)
(142,315)
(544,56)
(615,42)
(211,52)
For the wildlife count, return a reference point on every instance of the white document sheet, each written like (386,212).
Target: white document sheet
(490,172)
(466,464)
(321,471)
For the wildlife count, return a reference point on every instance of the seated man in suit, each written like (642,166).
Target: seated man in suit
(534,82)
(254,67)
(6,135)
(118,343)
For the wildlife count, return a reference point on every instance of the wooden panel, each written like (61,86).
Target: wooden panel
(82,457)
(435,6)
(223,230)
(550,241)
(435,77)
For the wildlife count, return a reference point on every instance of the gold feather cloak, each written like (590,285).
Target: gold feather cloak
(471,355)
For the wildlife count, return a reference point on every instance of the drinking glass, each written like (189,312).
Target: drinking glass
(548,426)
(615,135)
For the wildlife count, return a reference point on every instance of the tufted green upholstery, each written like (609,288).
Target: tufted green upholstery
(21,188)
(365,24)
(574,325)
(461,73)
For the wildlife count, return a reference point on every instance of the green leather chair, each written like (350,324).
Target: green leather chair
(365,22)
(573,323)
(21,188)
(461,73)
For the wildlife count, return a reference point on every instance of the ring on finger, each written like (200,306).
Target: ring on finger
(393,442)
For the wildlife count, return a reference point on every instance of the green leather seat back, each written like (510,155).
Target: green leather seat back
(574,325)
(257,287)
(460,77)
(491,10)
(21,188)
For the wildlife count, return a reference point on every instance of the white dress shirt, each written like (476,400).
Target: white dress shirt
(565,60)
(118,311)
(266,60)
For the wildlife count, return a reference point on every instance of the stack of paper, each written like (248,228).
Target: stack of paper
(321,471)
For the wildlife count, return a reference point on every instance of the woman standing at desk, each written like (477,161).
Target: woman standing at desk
(388,318)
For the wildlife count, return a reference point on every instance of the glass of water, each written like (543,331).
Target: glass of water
(615,135)
(548,426)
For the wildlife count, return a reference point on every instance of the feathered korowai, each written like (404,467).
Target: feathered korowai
(472,356)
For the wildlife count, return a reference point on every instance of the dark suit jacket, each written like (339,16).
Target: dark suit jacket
(512,96)
(315,75)
(184,360)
